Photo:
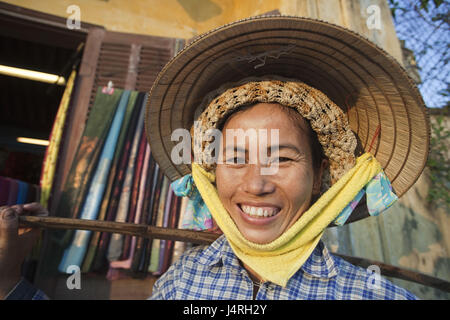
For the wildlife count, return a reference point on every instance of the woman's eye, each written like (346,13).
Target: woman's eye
(281,159)
(236,160)
(242,160)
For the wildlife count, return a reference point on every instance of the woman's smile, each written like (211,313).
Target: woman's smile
(260,214)
(260,210)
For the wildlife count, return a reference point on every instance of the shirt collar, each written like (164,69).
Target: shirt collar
(320,263)
(219,253)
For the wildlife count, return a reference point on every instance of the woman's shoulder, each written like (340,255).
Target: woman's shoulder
(192,254)
(369,283)
(189,268)
(204,254)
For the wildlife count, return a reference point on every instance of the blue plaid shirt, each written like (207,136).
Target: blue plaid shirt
(25,291)
(214,272)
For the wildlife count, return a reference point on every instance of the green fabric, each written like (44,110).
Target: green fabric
(114,166)
(156,244)
(86,157)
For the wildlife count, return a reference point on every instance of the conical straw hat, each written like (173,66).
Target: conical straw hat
(384,107)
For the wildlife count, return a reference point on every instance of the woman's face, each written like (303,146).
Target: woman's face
(264,206)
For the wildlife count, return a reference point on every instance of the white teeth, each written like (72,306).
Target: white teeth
(259,212)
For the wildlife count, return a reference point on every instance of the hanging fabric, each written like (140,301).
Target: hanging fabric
(100,259)
(117,179)
(74,255)
(51,154)
(13,191)
(107,198)
(116,242)
(85,161)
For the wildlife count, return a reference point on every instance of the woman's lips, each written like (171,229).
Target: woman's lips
(258,214)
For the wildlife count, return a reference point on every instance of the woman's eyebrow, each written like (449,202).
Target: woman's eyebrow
(285,146)
(234,149)
(279,146)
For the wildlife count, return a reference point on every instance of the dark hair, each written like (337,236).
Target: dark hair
(316,148)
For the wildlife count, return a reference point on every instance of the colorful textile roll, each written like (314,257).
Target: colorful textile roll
(95,239)
(5,185)
(125,184)
(85,161)
(100,260)
(22,192)
(156,245)
(13,191)
(163,243)
(126,262)
(74,255)
(51,154)
(138,177)
(116,241)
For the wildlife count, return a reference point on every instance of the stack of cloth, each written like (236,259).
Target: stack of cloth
(115,178)
(13,191)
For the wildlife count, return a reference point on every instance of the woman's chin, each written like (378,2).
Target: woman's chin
(259,238)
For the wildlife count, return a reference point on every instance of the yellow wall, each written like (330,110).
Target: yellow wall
(174,18)
(188,18)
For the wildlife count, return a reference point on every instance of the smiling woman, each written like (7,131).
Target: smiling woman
(283,110)
(243,192)
(298,156)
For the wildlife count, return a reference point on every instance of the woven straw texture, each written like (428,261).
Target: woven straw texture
(370,87)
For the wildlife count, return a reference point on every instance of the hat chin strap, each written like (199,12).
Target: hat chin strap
(295,245)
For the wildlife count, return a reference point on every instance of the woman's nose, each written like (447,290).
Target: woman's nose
(255,182)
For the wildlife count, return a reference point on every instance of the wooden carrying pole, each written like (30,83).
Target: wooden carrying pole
(202,237)
(139,230)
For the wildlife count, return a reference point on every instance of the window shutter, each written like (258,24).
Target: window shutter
(130,61)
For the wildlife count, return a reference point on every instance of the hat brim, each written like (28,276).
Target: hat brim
(369,85)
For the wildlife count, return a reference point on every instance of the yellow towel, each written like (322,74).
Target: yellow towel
(280,259)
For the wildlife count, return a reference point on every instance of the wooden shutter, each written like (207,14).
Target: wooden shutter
(130,61)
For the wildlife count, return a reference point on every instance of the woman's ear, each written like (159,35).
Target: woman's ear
(318,176)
